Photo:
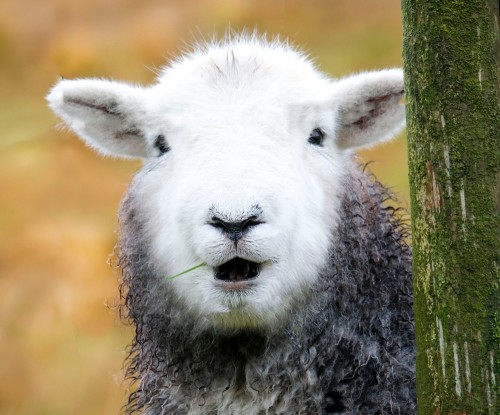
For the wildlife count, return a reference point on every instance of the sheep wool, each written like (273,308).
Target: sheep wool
(299,297)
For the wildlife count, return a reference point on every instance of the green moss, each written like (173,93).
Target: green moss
(454,164)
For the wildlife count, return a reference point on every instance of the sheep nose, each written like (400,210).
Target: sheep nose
(235,230)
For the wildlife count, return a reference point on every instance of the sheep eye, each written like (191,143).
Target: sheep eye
(316,137)
(161,145)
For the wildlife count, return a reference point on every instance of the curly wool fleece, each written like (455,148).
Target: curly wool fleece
(348,347)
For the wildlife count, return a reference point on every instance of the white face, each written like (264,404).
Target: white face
(258,142)
(244,192)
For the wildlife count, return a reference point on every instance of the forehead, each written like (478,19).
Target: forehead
(241,77)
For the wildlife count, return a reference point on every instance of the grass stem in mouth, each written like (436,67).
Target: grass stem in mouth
(184,272)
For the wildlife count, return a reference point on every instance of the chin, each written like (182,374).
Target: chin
(256,304)
(241,294)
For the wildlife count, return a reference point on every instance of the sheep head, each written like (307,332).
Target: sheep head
(245,148)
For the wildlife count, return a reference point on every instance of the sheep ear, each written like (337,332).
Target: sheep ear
(104,114)
(369,108)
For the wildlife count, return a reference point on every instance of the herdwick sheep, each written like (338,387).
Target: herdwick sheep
(302,302)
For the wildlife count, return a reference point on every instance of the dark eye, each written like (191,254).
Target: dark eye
(316,137)
(161,144)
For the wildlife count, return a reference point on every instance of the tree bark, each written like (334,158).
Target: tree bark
(451,55)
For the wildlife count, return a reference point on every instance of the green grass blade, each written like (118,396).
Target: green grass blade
(184,272)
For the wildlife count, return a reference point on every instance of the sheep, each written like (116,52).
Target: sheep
(298,298)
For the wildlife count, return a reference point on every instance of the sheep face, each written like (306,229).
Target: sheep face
(245,145)
(243,191)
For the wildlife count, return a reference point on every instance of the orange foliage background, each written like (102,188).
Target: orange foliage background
(61,346)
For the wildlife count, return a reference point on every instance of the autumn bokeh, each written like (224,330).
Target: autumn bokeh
(61,344)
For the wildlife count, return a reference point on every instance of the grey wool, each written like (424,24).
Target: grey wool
(347,347)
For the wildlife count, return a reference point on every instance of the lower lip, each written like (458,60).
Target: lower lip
(236,286)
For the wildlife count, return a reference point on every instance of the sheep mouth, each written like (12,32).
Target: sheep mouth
(236,270)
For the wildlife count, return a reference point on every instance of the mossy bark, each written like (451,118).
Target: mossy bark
(452,57)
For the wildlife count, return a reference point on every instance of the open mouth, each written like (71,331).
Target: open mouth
(236,270)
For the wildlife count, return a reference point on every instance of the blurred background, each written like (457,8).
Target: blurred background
(61,342)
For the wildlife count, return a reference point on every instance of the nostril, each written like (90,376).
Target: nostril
(251,221)
(235,229)
(218,223)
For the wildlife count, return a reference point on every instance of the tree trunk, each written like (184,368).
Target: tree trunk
(452,56)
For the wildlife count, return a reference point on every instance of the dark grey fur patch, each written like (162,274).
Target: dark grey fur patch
(110,108)
(379,103)
(134,132)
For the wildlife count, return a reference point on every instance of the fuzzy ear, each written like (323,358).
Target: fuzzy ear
(369,109)
(105,114)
